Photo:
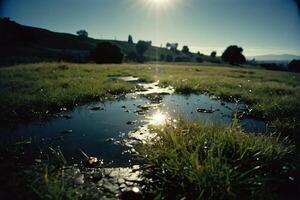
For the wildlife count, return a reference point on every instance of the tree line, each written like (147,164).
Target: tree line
(106,52)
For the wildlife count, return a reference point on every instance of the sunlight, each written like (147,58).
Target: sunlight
(158,118)
(160,4)
(159,1)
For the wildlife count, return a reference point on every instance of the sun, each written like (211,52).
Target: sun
(158,3)
(159,6)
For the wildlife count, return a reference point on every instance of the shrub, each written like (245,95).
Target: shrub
(185,49)
(182,59)
(199,59)
(82,34)
(132,56)
(141,48)
(233,55)
(169,58)
(294,66)
(106,52)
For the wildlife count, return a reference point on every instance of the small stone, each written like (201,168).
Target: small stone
(130,122)
(97,108)
(110,187)
(110,140)
(67,131)
(121,181)
(107,171)
(128,183)
(91,162)
(38,160)
(67,116)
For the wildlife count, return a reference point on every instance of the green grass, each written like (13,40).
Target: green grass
(47,180)
(36,90)
(206,161)
(196,161)
(33,90)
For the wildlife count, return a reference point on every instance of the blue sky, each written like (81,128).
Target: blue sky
(259,26)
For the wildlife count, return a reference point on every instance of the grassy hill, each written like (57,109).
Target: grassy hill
(19,44)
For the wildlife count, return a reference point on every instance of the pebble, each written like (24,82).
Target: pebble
(121,181)
(67,131)
(110,187)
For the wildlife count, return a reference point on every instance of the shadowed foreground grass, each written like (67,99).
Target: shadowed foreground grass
(194,161)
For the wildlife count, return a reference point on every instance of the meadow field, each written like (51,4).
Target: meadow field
(218,161)
(45,88)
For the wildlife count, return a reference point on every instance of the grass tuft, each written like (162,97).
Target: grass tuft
(195,161)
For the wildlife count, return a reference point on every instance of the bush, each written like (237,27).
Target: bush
(182,59)
(199,59)
(294,66)
(141,48)
(82,34)
(161,57)
(185,49)
(233,55)
(213,54)
(169,58)
(272,66)
(132,56)
(106,52)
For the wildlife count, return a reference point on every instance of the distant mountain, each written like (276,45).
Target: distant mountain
(273,57)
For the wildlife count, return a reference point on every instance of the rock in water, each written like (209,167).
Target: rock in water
(97,108)
(91,162)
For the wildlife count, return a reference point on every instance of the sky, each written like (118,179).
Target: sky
(258,26)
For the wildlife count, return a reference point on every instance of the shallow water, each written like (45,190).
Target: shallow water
(96,128)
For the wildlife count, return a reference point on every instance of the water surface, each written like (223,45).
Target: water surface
(96,127)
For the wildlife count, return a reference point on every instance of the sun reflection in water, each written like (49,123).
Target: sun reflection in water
(158,118)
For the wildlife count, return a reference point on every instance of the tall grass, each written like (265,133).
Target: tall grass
(195,161)
(47,180)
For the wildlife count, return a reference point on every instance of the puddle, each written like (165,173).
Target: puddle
(109,130)
(154,89)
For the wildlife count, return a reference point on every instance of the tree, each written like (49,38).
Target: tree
(132,56)
(233,55)
(213,54)
(199,59)
(130,40)
(294,66)
(82,33)
(142,47)
(161,57)
(106,52)
(185,49)
(169,58)
(168,45)
(172,46)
